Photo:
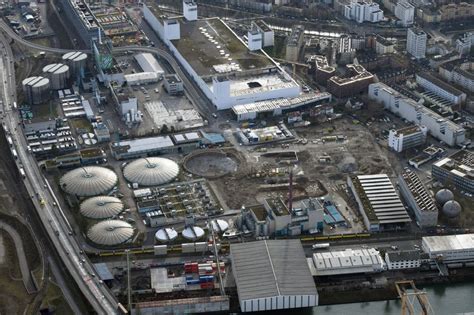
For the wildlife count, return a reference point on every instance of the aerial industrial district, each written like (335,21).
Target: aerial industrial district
(167,157)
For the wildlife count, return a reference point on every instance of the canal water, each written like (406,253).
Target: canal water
(444,299)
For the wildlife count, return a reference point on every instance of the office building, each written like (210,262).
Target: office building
(268,36)
(362,11)
(322,70)
(295,43)
(418,199)
(356,82)
(226,71)
(406,138)
(173,84)
(439,127)
(440,88)
(404,259)
(457,170)
(464,43)
(405,12)
(378,202)
(416,43)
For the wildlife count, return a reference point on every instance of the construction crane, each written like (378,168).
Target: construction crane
(414,301)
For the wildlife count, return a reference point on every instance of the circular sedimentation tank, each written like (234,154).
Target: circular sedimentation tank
(219,225)
(152,171)
(193,233)
(101,207)
(88,181)
(166,235)
(110,233)
(211,164)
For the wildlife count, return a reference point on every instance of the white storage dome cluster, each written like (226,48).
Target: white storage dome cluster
(219,225)
(58,75)
(152,171)
(101,207)
(110,232)
(88,181)
(166,235)
(451,209)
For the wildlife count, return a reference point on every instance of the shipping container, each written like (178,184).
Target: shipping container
(160,250)
(187,248)
(193,281)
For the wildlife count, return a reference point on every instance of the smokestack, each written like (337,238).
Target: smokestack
(290,193)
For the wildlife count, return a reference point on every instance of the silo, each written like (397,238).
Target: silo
(76,61)
(36,89)
(58,75)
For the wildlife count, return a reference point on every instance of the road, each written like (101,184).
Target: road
(25,271)
(78,265)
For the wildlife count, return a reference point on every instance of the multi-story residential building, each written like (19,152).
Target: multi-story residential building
(464,43)
(295,43)
(456,11)
(407,108)
(416,43)
(406,138)
(357,81)
(384,46)
(418,199)
(457,170)
(322,70)
(440,88)
(405,12)
(460,74)
(362,11)
(406,259)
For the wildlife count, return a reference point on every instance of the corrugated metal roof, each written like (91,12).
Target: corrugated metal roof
(271,268)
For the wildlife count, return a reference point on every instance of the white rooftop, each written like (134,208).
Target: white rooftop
(145,144)
(437,244)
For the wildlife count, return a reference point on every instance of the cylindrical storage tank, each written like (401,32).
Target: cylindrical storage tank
(76,61)
(88,181)
(110,233)
(151,171)
(101,207)
(219,225)
(58,75)
(36,89)
(166,235)
(444,195)
(193,233)
(451,209)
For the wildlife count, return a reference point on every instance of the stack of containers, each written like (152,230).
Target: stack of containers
(205,269)
(191,267)
(221,265)
(190,280)
(207,282)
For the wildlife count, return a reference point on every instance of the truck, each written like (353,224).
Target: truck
(14,105)
(10,141)
(22,173)
(321,246)
(15,154)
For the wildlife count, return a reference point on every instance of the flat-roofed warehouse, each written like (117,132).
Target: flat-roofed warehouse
(379,203)
(450,248)
(219,61)
(272,275)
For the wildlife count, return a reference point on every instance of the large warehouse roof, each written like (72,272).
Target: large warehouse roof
(110,232)
(270,269)
(88,181)
(439,244)
(148,63)
(101,207)
(151,171)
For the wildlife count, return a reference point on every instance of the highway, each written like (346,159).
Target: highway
(78,265)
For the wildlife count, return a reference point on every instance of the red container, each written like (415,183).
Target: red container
(207,285)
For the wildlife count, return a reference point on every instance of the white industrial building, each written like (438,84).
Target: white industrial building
(225,70)
(148,63)
(272,275)
(441,88)
(450,249)
(260,35)
(142,78)
(439,127)
(418,199)
(348,261)
(416,43)
(406,138)
(173,84)
(405,12)
(407,259)
(378,202)
(362,11)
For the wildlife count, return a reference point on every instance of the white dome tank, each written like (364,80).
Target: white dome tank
(101,207)
(36,89)
(58,75)
(88,181)
(166,235)
(219,225)
(193,233)
(110,232)
(151,171)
